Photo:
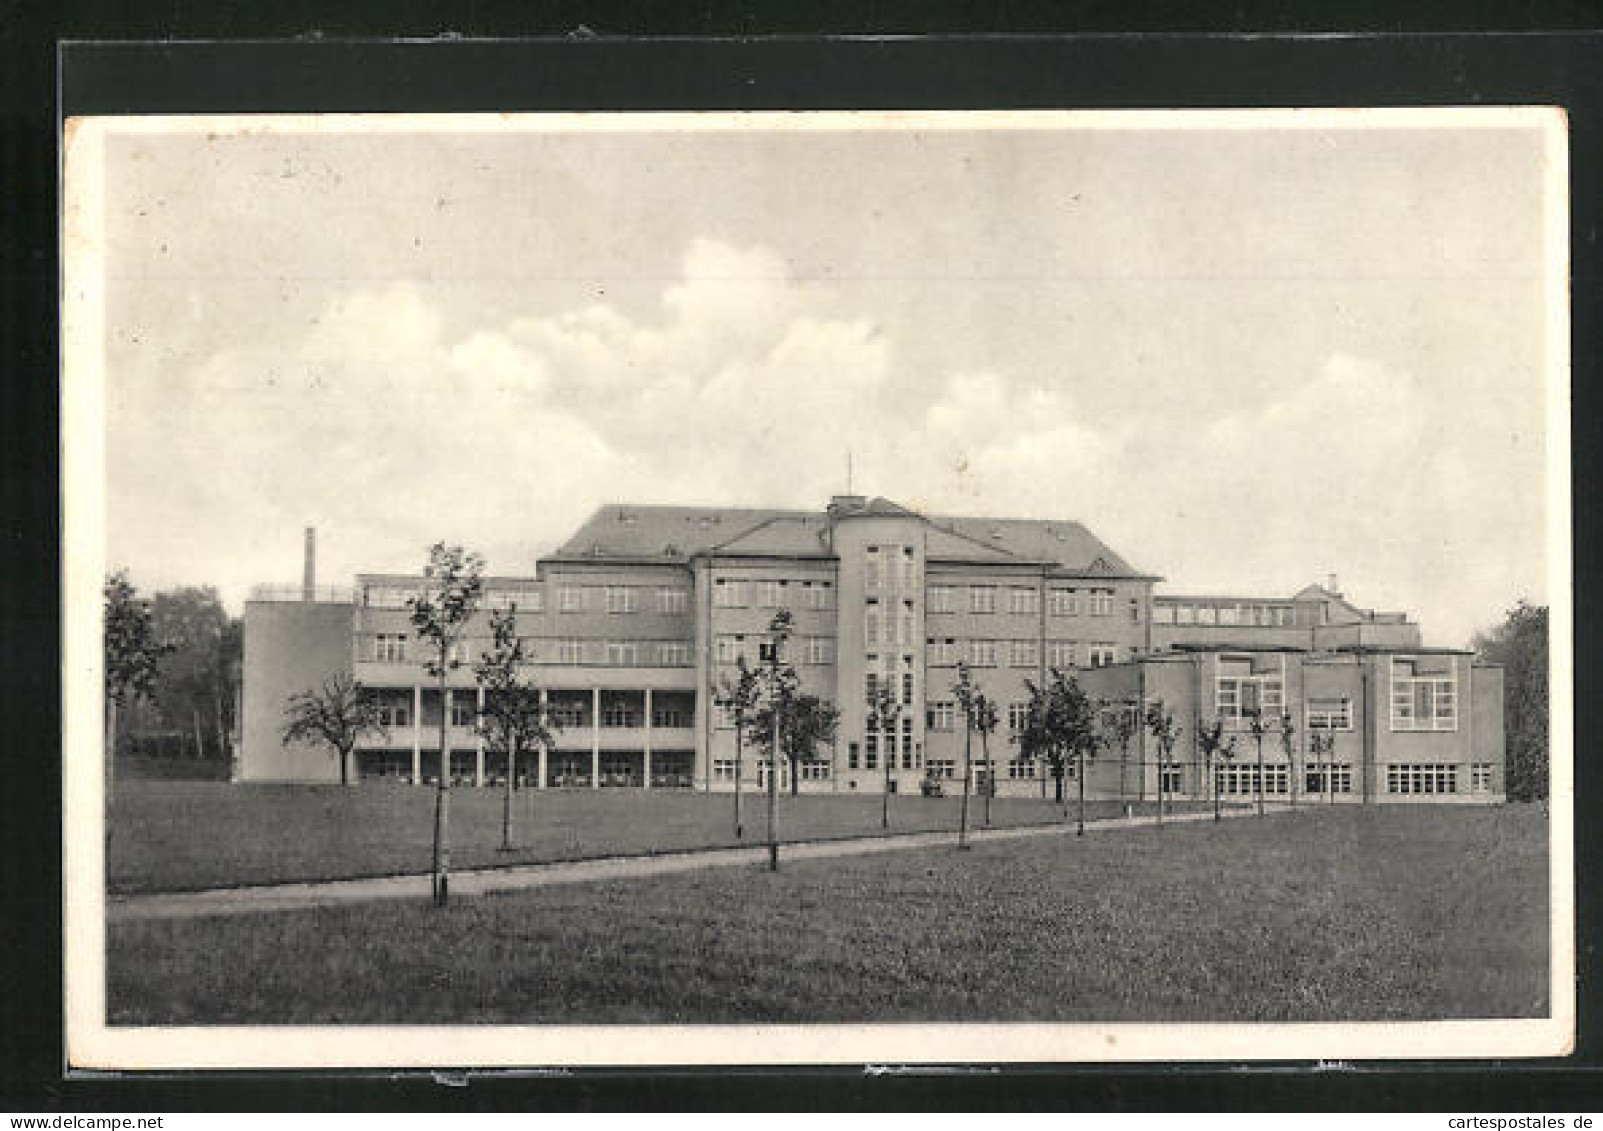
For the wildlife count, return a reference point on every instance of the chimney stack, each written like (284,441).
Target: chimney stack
(1333,587)
(309,570)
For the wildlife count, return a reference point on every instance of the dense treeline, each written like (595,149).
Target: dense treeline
(1519,645)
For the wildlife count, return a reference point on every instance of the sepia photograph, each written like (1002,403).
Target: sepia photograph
(816,587)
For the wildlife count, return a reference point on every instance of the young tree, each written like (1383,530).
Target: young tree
(884,715)
(985,721)
(1288,743)
(512,720)
(1322,746)
(1076,720)
(779,686)
(965,692)
(1519,646)
(738,698)
(1165,732)
(1258,732)
(453,584)
(132,654)
(1211,738)
(1121,722)
(335,715)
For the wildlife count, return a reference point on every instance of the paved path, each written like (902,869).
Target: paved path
(516,877)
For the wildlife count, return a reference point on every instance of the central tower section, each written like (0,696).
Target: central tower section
(880,549)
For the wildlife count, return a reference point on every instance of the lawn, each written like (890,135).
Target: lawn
(177,836)
(1351,913)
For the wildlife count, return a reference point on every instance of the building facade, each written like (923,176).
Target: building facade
(637,621)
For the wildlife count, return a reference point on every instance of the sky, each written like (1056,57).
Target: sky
(1246,358)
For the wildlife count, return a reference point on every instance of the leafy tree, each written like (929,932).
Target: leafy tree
(512,720)
(1062,729)
(884,714)
(1211,738)
(193,678)
(1519,646)
(132,653)
(1255,718)
(806,722)
(336,715)
(1165,732)
(453,584)
(738,697)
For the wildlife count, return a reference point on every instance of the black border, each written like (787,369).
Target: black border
(322,71)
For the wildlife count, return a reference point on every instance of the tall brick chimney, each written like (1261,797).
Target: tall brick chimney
(309,570)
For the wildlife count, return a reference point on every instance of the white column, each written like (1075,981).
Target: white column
(478,748)
(595,738)
(545,720)
(417,734)
(646,757)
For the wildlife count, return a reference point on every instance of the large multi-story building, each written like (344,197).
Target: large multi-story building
(633,625)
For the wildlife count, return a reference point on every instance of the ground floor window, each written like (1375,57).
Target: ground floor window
(1243,779)
(1324,778)
(568,770)
(385,764)
(815,771)
(941,767)
(1480,777)
(620,769)
(1170,779)
(723,769)
(1421,777)
(1020,769)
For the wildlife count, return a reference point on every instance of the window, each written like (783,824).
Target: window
(870,751)
(1242,778)
(1023,600)
(982,599)
(1135,610)
(672,602)
(727,594)
(527,599)
(623,653)
(815,770)
(907,742)
(940,767)
(1061,653)
(816,595)
(942,652)
(730,648)
(907,689)
(1240,693)
(942,599)
(1162,614)
(1480,777)
(618,713)
(1023,654)
(673,653)
(1102,602)
(566,713)
(1101,655)
(1422,702)
(671,717)
(570,651)
(1018,716)
(1340,778)
(1021,769)
(871,568)
(461,712)
(1169,779)
(394,714)
(907,626)
(871,626)
(620,599)
(941,715)
(1417,778)
(390,647)
(723,769)
(570,599)
(982,653)
(770,594)
(1063,602)
(818,650)
(870,685)
(1330,713)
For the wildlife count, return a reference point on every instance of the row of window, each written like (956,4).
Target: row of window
(668,599)
(1435,777)
(947,651)
(730,648)
(771,593)
(562,714)
(395,648)
(724,769)
(1026,600)
(1262,616)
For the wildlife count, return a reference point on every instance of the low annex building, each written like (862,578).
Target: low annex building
(632,623)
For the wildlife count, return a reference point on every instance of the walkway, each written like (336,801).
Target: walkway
(517,877)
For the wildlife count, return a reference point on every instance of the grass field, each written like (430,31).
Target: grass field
(177,836)
(1379,913)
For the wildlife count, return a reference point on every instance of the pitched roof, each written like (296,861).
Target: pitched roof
(672,533)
